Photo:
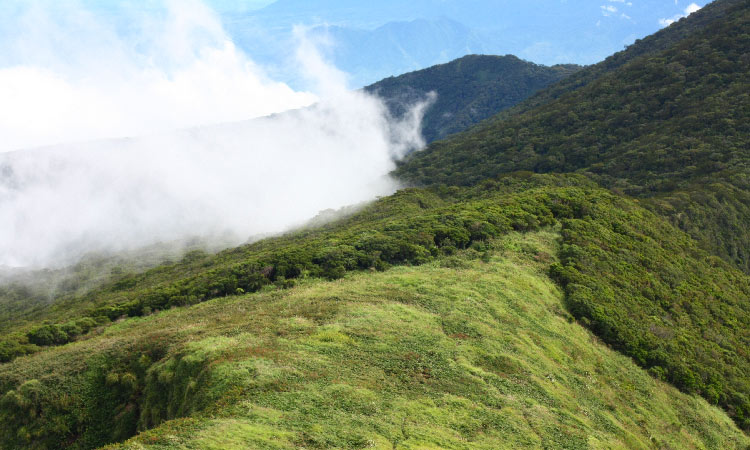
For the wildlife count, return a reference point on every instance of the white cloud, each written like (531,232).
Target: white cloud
(666,22)
(72,78)
(612,11)
(608,10)
(691,8)
(245,177)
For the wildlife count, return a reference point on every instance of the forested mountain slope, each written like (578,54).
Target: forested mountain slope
(465,342)
(489,309)
(469,90)
(666,120)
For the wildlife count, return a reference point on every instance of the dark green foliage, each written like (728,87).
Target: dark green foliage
(48,335)
(100,403)
(469,90)
(667,118)
(715,214)
(60,334)
(11,348)
(647,290)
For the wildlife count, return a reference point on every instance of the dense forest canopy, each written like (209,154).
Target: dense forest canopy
(664,120)
(469,90)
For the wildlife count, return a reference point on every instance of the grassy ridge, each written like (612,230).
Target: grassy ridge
(630,276)
(459,353)
(410,227)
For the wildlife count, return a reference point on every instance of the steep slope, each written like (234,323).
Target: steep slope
(666,120)
(469,90)
(651,44)
(628,275)
(460,353)
(431,318)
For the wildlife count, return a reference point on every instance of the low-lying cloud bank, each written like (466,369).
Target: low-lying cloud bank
(87,80)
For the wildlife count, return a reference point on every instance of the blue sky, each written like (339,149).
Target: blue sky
(371,40)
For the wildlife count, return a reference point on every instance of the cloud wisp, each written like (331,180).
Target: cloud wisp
(66,74)
(242,177)
(691,8)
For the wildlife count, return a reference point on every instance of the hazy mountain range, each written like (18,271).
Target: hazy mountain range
(375,40)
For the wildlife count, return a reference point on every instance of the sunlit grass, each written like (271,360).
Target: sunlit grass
(482,356)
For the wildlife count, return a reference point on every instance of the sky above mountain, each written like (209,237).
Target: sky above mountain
(373,40)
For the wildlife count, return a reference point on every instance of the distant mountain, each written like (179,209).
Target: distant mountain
(399,47)
(479,14)
(469,90)
(372,40)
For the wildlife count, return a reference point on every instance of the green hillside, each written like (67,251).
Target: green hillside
(469,90)
(666,120)
(571,273)
(472,334)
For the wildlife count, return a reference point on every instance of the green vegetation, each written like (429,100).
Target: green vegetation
(651,294)
(411,227)
(667,119)
(27,295)
(469,90)
(481,311)
(672,310)
(458,353)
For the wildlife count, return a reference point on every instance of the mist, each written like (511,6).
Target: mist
(117,139)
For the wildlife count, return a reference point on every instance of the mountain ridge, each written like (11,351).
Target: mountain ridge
(469,90)
(616,132)
(492,247)
(581,306)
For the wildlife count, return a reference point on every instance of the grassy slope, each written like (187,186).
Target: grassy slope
(641,285)
(458,353)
